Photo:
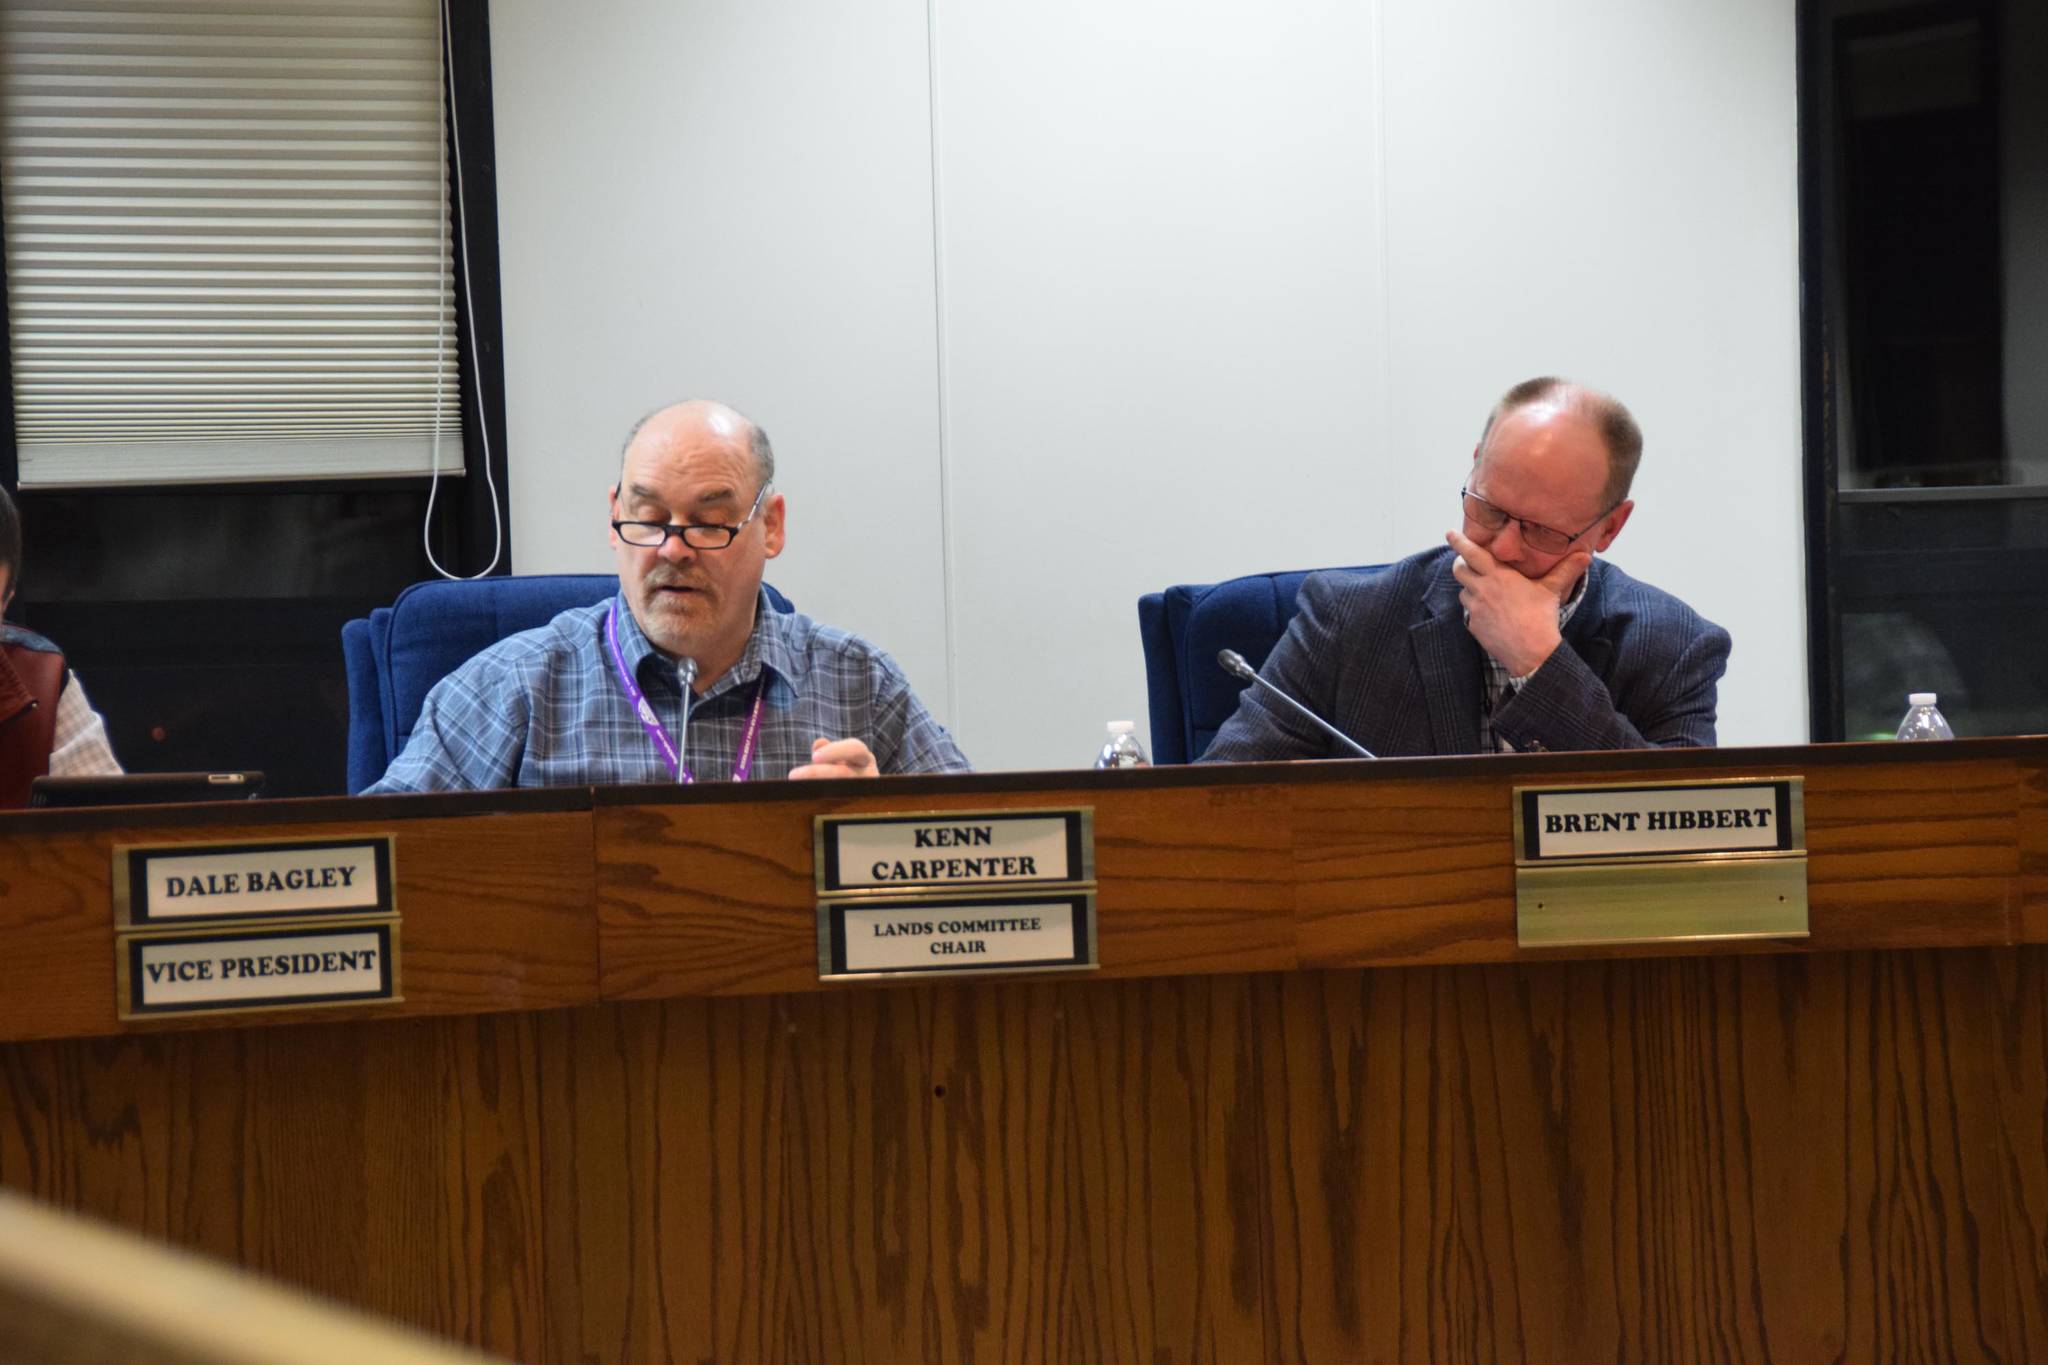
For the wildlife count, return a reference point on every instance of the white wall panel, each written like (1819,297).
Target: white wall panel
(1159,254)
(1608,190)
(729,200)
(1133,293)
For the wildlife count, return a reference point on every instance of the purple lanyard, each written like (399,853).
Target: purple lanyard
(676,767)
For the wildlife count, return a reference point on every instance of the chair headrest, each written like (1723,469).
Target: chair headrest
(1247,614)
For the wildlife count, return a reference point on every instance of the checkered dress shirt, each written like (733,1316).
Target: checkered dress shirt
(78,746)
(1497,681)
(544,708)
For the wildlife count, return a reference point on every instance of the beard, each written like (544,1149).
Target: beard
(675,622)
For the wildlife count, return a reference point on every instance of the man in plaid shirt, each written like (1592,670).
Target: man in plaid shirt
(597,696)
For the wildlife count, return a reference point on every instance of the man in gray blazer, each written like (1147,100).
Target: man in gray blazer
(1512,636)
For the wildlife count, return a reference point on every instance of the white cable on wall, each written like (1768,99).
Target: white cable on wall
(483,430)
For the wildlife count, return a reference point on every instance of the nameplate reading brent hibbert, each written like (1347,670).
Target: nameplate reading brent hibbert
(860,853)
(192,884)
(1660,862)
(1762,816)
(278,968)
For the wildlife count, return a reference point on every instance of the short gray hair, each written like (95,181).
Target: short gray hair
(758,444)
(1616,424)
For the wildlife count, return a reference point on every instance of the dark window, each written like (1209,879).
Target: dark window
(1925,223)
(206,621)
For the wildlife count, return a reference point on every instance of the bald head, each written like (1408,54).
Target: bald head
(699,472)
(700,420)
(1549,397)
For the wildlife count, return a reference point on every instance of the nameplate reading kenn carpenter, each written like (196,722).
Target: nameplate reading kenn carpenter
(191,884)
(1627,822)
(257,969)
(953,849)
(1027,931)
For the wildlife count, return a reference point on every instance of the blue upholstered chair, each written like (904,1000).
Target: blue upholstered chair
(1182,628)
(396,655)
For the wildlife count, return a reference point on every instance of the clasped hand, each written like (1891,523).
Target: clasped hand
(838,758)
(1513,617)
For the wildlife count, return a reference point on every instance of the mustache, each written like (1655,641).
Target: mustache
(670,577)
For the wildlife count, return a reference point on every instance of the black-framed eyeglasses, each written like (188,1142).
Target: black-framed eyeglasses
(1535,534)
(697,535)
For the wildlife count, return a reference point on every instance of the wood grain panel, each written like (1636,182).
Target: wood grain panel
(56,921)
(1159,1146)
(392,1165)
(1203,879)
(500,912)
(2020,1068)
(1912,854)
(1632,1161)
(2031,919)
(696,899)
(497,910)
(452,1144)
(1908,854)
(1035,1172)
(1779,1159)
(1741,1155)
(1929,1274)
(720,899)
(1417,872)
(1787,1159)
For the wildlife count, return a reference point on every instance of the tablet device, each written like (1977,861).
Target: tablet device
(143,789)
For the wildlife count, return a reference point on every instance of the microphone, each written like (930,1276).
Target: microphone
(1233,663)
(686,674)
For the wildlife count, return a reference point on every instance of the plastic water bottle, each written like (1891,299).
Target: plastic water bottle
(1923,719)
(1123,749)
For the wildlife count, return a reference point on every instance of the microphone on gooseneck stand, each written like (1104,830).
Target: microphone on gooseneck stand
(686,674)
(1234,664)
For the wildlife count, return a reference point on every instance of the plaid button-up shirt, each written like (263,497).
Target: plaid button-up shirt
(78,746)
(544,708)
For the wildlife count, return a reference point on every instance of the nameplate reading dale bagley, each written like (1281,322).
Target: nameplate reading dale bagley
(953,848)
(1023,931)
(1628,822)
(257,969)
(192,884)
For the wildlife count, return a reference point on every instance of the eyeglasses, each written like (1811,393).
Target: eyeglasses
(1537,536)
(696,535)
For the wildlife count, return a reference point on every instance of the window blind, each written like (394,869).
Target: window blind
(227,231)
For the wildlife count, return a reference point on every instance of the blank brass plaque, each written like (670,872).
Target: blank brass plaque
(1650,902)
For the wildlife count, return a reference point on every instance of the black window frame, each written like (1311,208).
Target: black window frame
(218,677)
(474,212)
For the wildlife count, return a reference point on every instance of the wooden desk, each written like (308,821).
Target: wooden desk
(617,1117)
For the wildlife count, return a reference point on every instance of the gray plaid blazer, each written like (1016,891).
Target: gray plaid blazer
(1386,657)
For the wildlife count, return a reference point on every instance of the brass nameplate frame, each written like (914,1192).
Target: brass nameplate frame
(165,885)
(1660,862)
(891,854)
(955,893)
(255,925)
(872,936)
(276,967)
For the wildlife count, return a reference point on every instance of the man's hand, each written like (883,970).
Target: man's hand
(1513,617)
(838,758)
